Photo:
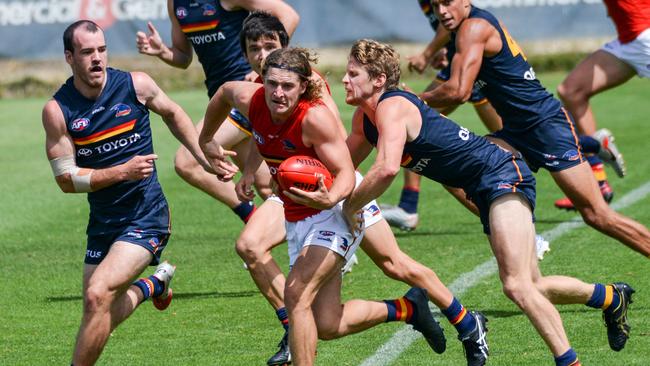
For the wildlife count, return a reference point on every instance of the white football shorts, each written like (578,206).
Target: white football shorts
(635,53)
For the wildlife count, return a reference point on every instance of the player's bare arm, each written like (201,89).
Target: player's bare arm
(236,94)
(391,118)
(73,179)
(420,62)
(320,130)
(471,40)
(357,143)
(244,187)
(178,55)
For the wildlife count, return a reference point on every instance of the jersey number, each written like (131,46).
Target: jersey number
(512,44)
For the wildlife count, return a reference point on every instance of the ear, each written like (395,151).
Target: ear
(303,86)
(379,81)
(68,57)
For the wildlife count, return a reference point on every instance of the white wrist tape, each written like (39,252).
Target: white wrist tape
(80,177)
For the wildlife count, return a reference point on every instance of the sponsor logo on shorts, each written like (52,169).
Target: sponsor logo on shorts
(135,233)
(94,254)
(121,109)
(258,138)
(345,244)
(154,244)
(84,152)
(374,210)
(571,155)
(504,185)
(209,10)
(329,240)
(79,124)
(326,233)
(288,145)
(549,156)
(552,163)
(181,12)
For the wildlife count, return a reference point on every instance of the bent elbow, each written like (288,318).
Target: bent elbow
(389,172)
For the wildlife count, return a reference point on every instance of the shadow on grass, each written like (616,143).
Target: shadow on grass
(181,295)
(510,313)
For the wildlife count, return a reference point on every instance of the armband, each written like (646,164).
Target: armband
(80,177)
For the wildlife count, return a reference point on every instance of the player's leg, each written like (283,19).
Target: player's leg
(512,236)
(488,115)
(109,298)
(189,169)
(405,215)
(582,189)
(598,72)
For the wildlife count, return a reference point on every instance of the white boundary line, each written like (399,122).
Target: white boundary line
(402,339)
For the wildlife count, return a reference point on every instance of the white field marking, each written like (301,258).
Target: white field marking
(402,339)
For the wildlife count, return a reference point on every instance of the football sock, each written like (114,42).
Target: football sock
(408,201)
(597,167)
(589,144)
(401,309)
(569,358)
(244,210)
(459,317)
(150,286)
(283,317)
(604,297)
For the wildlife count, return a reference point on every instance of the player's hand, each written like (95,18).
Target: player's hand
(319,199)
(139,167)
(244,188)
(217,156)
(251,76)
(150,44)
(440,60)
(417,63)
(355,219)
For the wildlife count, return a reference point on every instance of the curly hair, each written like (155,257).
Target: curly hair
(378,58)
(296,60)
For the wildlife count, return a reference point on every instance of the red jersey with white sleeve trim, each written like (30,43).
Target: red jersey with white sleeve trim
(631,17)
(277,142)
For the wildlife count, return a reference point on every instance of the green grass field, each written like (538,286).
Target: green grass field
(218,318)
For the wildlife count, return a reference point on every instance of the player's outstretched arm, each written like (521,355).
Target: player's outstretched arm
(236,94)
(420,62)
(178,55)
(278,8)
(471,40)
(244,187)
(73,179)
(179,123)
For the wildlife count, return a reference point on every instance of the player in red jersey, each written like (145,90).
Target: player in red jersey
(288,119)
(612,65)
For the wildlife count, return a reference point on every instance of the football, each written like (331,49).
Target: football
(301,171)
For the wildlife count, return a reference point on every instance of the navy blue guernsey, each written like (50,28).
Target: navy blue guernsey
(509,82)
(107,132)
(214,33)
(443,151)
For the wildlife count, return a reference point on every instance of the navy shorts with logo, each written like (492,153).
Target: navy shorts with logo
(511,176)
(551,144)
(476,98)
(150,232)
(241,122)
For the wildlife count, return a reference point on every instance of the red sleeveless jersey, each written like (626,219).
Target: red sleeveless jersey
(631,17)
(277,142)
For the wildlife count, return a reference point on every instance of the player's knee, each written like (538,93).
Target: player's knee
(183,164)
(572,93)
(397,269)
(327,332)
(250,249)
(97,299)
(516,290)
(594,216)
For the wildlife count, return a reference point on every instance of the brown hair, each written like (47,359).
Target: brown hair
(296,60)
(378,58)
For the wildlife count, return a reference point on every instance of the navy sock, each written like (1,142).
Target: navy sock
(408,201)
(459,317)
(244,210)
(589,144)
(401,309)
(283,317)
(150,286)
(593,160)
(569,358)
(604,297)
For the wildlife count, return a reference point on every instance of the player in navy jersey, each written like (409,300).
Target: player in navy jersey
(408,133)
(211,28)
(98,141)
(534,122)
(404,215)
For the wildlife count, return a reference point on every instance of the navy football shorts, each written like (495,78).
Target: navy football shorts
(552,144)
(511,176)
(241,122)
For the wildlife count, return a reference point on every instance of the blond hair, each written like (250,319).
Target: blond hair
(378,58)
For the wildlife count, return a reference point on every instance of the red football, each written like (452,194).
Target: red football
(300,171)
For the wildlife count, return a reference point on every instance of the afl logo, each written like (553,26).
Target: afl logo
(181,12)
(121,110)
(258,138)
(84,152)
(209,10)
(79,124)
